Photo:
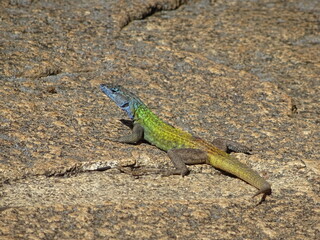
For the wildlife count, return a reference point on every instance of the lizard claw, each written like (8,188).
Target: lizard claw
(266,190)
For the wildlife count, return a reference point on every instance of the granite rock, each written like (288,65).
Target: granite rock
(242,70)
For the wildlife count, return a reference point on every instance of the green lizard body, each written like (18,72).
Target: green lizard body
(182,147)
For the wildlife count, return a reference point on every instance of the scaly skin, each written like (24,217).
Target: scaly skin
(168,138)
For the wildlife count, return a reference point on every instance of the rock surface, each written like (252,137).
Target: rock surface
(243,70)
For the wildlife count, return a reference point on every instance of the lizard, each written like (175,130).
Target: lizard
(182,147)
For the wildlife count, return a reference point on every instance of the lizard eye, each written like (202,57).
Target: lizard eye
(115,89)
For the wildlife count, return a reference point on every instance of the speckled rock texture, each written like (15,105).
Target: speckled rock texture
(243,70)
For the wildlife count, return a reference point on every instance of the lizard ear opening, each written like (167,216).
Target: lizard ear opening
(125,105)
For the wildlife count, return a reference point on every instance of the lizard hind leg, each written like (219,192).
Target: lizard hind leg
(186,156)
(229,146)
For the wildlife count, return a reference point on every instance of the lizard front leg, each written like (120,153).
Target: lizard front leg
(134,137)
(185,156)
(230,146)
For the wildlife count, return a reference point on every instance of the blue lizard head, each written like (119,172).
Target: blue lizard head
(124,99)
